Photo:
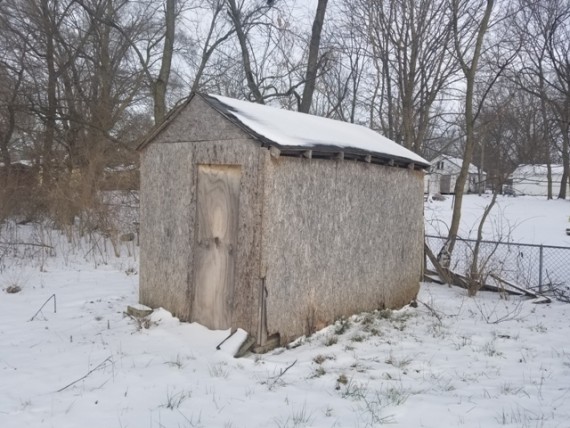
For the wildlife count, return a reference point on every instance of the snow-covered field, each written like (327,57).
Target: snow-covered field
(524,219)
(453,361)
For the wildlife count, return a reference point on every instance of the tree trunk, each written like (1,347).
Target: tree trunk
(235,15)
(208,49)
(313,61)
(545,133)
(161,84)
(5,142)
(470,71)
(565,162)
(51,111)
(476,277)
(549,179)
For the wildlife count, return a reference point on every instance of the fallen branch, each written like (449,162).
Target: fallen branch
(525,291)
(27,244)
(45,303)
(433,311)
(276,377)
(102,364)
(491,316)
(441,271)
(432,276)
(446,275)
(272,381)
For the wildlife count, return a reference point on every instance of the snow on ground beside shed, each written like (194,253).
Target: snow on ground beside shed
(289,128)
(465,362)
(522,219)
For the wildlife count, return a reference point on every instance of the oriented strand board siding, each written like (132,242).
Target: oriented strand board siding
(339,238)
(199,122)
(168,221)
(167,206)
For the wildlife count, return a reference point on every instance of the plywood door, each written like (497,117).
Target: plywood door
(216,239)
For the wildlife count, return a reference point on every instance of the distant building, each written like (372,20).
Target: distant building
(533,180)
(445,171)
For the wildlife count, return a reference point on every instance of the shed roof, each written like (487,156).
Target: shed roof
(531,170)
(292,132)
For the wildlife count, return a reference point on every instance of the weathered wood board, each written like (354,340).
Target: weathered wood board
(216,240)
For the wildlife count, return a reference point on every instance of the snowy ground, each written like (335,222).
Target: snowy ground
(452,362)
(524,219)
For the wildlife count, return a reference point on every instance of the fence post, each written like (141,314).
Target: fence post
(540,265)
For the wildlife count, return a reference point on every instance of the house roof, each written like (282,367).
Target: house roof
(294,132)
(529,170)
(457,162)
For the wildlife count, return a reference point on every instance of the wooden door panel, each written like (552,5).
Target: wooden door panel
(216,239)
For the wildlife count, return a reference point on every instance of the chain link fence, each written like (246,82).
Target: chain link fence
(537,267)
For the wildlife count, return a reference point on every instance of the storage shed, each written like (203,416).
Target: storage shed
(275,221)
(533,179)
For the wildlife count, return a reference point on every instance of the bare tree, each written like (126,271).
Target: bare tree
(160,85)
(216,35)
(341,93)
(544,71)
(144,32)
(241,23)
(313,59)
(268,77)
(409,42)
(74,71)
(11,79)
(468,36)
(511,130)
(558,49)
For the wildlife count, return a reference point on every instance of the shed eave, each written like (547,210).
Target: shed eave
(348,153)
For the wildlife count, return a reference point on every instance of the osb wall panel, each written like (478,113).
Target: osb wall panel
(166,204)
(168,213)
(199,122)
(339,237)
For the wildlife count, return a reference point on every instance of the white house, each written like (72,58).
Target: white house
(445,169)
(532,180)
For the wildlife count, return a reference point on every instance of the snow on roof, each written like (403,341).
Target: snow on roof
(527,170)
(290,129)
(458,162)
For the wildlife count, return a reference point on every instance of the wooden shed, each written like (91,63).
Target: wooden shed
(275,221)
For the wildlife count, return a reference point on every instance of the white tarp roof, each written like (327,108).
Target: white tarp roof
(290,129)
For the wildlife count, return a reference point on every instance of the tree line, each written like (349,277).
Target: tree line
(81,81)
